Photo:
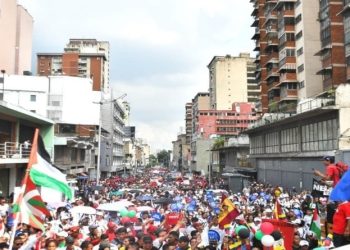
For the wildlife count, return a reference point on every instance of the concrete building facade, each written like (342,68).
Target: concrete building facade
(17,125)
(287,38)
(87,58)
(228,81)
(16,50)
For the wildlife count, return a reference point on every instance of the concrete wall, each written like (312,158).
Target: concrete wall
(19,89)
(310,43)
(23,41)
(343,102)
(288,172)
(202,157)
(8,13)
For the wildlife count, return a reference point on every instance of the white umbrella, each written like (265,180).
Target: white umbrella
(125,203)
(343,247)
(116,206)
(83,210)
(144,208)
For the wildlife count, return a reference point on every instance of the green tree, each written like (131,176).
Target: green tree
(164,157)
(152,160)
(219,143)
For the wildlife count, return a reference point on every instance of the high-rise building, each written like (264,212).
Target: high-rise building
(188,120)
(16,26)
(332,53)
(231,78)
(81,57)
(346,14)
(288,40)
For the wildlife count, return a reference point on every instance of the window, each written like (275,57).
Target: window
(33,98)
(298,19)
(320,135)
(301,68)
(33,110)
(299,35)
(300,51)
(290,140)
(301,84)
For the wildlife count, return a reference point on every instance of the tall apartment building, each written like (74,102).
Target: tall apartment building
(16,26)
(81,57)
(288,41)
(332,53)
(346,15)
(231,80)
(188,120)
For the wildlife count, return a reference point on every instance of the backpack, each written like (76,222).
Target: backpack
(342,168)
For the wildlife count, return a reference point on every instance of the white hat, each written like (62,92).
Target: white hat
(62,234)
(65,216)
(303,243)
(99,213)
(257,219)
(268,210)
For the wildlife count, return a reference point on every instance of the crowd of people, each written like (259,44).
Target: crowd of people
(161,211)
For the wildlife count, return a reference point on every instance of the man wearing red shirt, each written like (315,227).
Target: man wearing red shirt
(341,224)
(332,172)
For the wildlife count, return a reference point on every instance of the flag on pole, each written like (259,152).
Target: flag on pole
(341,191)
(316,224)
(44,174)
(228,212)
(30,208)
(278,211)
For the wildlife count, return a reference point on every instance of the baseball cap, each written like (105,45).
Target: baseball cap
(268,210)
(257,219)
(327,158)
(62,234)
(147,239)
(303,243)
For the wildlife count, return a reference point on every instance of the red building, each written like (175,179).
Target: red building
(225,122)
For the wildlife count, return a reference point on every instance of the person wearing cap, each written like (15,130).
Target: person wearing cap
(101,222)
(183,243)
(256,225)
(304,245)
(94,235)
(267,214)
(332,176)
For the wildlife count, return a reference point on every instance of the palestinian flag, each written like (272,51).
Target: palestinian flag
(42,172)
(30,208)
(278,211)
(316,224)
(228,212)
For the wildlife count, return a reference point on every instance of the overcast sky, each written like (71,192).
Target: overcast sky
(159,49)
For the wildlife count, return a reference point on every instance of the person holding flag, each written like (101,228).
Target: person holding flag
(228,212)
(29,207)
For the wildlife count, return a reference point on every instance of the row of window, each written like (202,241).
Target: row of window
(309,137)
(233,122)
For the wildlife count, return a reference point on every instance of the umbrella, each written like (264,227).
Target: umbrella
(145,198)
(163,200)
(125,203)
(83,210)
(116,206)
(144,208)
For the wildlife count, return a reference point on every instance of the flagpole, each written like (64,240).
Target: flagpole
(24,181)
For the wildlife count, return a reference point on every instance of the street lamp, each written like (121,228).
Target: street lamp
(101,102)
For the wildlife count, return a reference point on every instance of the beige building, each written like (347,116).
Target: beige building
(306,47)
(200,102)
(16,24)
(229,80)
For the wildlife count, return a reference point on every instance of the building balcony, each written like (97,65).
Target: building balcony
(257,45)
(288,94)
(257,58)
(256,34)
(13,152)
(287,67)
(288,77)
(272,73)
(255,23)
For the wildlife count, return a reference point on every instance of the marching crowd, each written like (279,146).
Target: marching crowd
(156,211)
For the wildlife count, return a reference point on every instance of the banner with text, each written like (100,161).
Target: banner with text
(319,189)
